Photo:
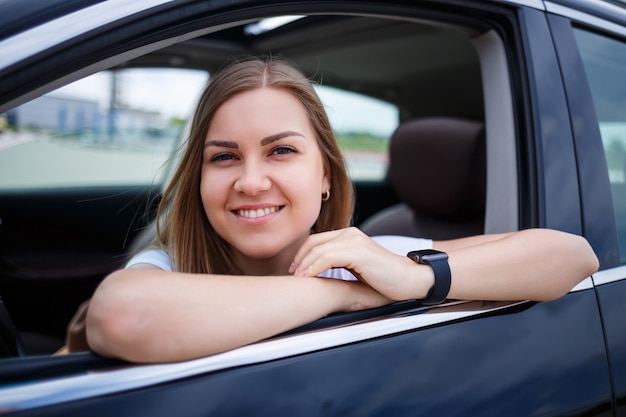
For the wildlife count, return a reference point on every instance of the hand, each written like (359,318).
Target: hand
(394,276)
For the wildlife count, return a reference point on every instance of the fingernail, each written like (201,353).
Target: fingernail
(292,267)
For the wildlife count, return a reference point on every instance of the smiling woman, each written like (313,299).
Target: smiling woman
(234,109)
(257,216)
(282,173)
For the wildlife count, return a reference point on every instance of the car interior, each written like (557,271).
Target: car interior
(452,150)
(452,159)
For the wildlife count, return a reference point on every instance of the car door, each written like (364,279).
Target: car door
(594,52)
(476,358)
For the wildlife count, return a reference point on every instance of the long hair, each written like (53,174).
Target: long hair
(183,229)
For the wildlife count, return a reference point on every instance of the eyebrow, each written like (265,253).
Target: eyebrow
(265,141)
(278,136)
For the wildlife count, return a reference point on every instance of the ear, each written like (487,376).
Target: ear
(326,180)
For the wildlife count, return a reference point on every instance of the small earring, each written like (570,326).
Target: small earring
(326,196)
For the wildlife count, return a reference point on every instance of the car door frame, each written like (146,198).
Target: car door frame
(596,196)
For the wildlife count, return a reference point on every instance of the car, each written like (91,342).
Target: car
(521,105)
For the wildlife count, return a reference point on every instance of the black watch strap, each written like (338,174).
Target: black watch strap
(438,261)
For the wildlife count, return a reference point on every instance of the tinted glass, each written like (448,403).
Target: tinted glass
(604,59)
(111,128)
(363,126)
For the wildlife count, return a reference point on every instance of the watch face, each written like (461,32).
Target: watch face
(427,255)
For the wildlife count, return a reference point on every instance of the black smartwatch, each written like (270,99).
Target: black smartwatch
(438,261)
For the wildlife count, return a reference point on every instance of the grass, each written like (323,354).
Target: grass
(351,141)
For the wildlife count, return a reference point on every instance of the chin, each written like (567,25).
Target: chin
(260,255)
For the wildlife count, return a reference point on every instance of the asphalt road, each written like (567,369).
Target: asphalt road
(31,162)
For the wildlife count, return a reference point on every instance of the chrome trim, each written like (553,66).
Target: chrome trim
(588,19)
(28,395)
(610,275)
(585,284)
(54,32)
(535,4)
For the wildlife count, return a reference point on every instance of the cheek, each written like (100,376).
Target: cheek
(212,192)
(309,184)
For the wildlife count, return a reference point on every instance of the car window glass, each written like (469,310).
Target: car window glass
(604,59)
(111,128)
(363,126)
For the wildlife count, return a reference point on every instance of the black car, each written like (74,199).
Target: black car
(521,104)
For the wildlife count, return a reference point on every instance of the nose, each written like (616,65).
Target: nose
(253,179)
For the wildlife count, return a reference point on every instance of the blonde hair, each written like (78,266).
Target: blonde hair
(183,229)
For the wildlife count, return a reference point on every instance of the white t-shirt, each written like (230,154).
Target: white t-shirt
(400,245)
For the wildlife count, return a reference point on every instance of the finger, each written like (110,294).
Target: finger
(336,252)
(312,242)
(372,264)
(324,257)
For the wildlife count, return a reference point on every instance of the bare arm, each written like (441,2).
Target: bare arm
(535,264)
(149,315)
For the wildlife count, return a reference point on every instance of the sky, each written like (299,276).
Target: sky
(172,92)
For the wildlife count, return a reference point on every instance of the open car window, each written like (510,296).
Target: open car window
(118,127)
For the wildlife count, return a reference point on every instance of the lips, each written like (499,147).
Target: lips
(253,214)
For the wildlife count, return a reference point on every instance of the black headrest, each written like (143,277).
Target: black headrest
(437,166)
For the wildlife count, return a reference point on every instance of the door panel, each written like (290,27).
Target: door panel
(539,359)
(57,244)
(612,298)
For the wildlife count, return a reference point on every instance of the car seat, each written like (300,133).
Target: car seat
(10,341)
(437,167)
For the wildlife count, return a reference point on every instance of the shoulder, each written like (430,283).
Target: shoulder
(156,257)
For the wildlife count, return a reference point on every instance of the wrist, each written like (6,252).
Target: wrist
(438,262)
(340,295)
(421,279)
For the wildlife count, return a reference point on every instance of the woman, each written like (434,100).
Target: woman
(256,219)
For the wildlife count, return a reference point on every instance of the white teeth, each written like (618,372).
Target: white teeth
(253,214)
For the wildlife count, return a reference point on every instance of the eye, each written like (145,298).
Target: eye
(224,156)
(283,150)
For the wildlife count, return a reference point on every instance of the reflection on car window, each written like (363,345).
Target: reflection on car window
(111,128)
(363,126)
(604,59)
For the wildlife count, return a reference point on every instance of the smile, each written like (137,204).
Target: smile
(253,214)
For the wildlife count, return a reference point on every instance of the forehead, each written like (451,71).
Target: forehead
(261,108)
(268,95)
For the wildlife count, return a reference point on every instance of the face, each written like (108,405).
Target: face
(262,178)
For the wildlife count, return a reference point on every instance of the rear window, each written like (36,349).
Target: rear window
(363,126)
(111,128)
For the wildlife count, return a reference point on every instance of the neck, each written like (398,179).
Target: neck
(261,267)
(277,264)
